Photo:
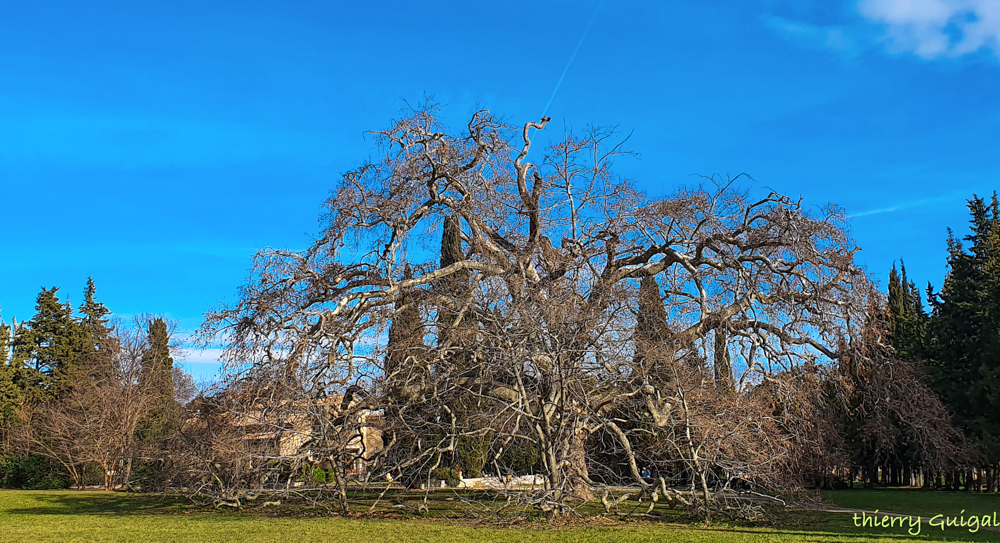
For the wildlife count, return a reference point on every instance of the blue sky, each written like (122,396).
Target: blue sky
(155,146)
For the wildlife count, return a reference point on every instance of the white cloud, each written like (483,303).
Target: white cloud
(937,28)
(200,356)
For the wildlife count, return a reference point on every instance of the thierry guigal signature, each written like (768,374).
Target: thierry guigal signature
(913,523)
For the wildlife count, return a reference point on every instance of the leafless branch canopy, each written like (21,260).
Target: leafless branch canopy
(583,330)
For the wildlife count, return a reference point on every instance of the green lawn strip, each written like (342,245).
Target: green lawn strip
(119,517)
(844,523)
(934,507)
(917,502)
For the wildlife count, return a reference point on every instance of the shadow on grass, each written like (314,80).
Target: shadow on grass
(816,536)
(96,503)
(841,526)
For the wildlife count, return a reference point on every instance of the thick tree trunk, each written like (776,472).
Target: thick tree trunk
(342,488)
(577,485)
(723,367)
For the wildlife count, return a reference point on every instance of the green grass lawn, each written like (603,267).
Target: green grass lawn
(119,517)
(917,502)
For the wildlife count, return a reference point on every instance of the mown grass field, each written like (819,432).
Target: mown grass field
(73,516)
(917,502)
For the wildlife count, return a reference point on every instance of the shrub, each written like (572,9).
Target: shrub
(449,475)
(150,476)
(32,472)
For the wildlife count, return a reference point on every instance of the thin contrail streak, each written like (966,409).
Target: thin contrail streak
(573,56)
(912,203)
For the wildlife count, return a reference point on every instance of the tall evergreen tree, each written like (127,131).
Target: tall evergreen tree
(99,351)
(95,314)
(456,332)
(908,324)
(965,329)
(156,380)
(651,318)
(451,253)
(404,366)
(652,335)
(406,335)
(49,348)
(10,393)
(454,288)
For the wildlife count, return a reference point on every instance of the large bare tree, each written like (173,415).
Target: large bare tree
(531,341)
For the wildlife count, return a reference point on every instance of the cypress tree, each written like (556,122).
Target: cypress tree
(406,334)
(456,330)
(404,359)
(156,380)
(908,322)
(652,336)
(454,288)
(451,246)
(722,363)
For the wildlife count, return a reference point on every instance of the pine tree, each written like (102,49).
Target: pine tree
(98,356)
(10,393)
(95,314)
(49,348)
(156,380)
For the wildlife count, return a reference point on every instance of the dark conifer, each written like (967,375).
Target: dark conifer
(454,288)
(49,348)
(404,365)
(406,335)
(156,380)
(651,318)
(964,349)
(10,393)
(98,356)
(908,323)
(456,331)
(95,314)
(652,335)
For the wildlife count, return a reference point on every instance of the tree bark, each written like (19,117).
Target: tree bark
(577,478)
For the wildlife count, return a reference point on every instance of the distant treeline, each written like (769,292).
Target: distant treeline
(84,397)
(957,346)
